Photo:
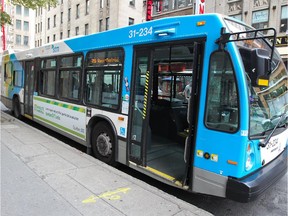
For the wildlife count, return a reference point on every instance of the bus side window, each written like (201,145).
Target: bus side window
(69,84)
(48,77)
(8,73)
(17,81)
(222,111)
(93,87)
(47,82)
(111,88)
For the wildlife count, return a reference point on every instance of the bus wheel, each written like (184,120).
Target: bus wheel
(16,108)
(103,143)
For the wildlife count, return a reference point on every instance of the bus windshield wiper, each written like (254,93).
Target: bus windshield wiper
(267,139)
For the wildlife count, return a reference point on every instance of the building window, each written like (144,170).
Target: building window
(132,3)
(131,21)
(107,23)
(61,18)
(69,14)
(40,27)
(87,7)
(77,30)
(18,9)
(26,40)
(237,16)
(158,6)
(260,19)
(18,24)
(40,42)
(48,39)
(101,3)
(48,23)
(166,5)
(77,11)
(86,29)
(36,28)
(54,37)
(68,33)
(107,3)
(26,26)
(100,25)
(61,35)
(284,19)
(18,39)
(26,11)
(54,21)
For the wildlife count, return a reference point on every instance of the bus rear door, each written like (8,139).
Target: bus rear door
(29,86)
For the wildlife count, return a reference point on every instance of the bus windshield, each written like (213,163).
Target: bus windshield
(267,104)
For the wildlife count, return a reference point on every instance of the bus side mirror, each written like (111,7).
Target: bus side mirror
(257,64)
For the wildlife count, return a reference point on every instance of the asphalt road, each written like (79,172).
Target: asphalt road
(272,203)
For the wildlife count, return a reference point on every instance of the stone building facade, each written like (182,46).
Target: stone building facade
(81,17)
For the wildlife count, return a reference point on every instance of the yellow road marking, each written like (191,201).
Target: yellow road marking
(110,195)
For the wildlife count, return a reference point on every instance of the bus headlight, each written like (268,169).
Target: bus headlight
(250,157)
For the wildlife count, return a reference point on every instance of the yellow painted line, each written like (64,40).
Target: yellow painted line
(164,175)
(110,195)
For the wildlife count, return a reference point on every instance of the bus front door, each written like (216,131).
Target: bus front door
(29,88)
(164,109)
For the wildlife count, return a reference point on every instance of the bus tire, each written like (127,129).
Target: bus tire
(16,108)
(103,143)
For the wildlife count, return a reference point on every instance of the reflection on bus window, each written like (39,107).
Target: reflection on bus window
(48,82)
(69,84)
(48,76)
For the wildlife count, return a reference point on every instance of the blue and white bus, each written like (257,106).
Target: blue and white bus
(123,94)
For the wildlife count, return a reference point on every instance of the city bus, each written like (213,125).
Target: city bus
(198,102)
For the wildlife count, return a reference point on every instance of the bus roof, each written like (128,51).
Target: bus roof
(170,28)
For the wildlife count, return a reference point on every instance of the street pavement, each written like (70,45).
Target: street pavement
(42,176)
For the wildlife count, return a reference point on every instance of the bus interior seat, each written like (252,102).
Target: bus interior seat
(166,120)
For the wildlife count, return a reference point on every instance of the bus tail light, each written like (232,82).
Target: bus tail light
(250,157)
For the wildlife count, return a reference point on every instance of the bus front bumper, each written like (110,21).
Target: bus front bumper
(249,188)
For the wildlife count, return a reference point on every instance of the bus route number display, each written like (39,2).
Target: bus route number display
(142,32)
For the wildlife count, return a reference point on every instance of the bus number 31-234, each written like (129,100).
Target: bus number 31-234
(142,32)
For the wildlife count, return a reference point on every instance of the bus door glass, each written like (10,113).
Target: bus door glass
(29,87)
(139,120)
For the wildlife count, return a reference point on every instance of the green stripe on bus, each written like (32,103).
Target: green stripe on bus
(60,126)
(71,107)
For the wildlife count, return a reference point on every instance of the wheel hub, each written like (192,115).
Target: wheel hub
(104,145)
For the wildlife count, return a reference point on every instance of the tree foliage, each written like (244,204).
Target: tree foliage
(32,4)
(5,18)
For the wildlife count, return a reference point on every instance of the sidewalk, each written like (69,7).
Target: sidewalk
(42,176)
